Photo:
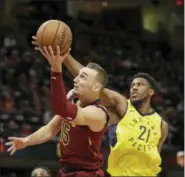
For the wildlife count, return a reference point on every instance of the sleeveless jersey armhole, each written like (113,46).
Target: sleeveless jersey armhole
(105,110)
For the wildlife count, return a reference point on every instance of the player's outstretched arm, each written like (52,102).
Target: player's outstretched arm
(42,135)
(164,131)
(114,100)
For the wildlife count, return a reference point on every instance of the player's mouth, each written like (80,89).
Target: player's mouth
(134,94)
(75,87)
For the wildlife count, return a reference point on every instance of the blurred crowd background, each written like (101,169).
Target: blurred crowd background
(125,37)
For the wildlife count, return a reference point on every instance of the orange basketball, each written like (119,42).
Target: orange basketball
(53,33)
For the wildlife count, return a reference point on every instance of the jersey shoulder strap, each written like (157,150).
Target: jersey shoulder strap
(105,110)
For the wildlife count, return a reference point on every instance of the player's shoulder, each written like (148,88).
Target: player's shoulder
(158,116)
(96,108)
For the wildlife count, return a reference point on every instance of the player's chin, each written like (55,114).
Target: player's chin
(75,92)
(135,100)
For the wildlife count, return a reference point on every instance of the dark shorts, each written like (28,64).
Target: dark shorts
(80,173)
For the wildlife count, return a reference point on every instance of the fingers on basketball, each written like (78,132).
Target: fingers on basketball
(53,33)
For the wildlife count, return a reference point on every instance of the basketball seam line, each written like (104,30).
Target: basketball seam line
(63,38)
(55,34)
(43,34)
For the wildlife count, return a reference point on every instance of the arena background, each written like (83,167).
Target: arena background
(124,36)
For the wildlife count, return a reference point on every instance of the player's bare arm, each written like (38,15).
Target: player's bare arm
(42,135)
(164,135)
(114,100)
(91,116)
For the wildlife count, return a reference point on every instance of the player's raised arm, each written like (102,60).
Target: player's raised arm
(91,115)
(42,135)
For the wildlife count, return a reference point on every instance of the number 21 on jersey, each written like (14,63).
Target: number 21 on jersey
(145,133)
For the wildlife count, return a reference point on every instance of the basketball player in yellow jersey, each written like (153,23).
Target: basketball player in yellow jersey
(137,136)
(136,140)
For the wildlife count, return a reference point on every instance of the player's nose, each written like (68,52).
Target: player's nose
(75,79)
(134,88)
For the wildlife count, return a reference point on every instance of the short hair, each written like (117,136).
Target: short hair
(152,82)
(102,74)
(44,168)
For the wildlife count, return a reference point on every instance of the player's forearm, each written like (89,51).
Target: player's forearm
(73,65)
(59,102)
(107,95)
(42,135)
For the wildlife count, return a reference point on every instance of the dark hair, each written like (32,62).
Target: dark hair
(102,74)
(44,168)
(152,82)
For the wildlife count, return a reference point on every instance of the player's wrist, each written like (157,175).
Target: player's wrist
(27,141)
(57,69)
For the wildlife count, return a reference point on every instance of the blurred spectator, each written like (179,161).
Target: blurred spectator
(180,158)
(41,171)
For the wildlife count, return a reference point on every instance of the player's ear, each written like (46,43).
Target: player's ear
(151,92)
(97,87)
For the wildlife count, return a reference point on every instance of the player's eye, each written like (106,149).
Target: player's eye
(140,84)
(82,76)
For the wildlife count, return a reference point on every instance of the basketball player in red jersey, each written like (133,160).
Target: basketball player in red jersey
(82,125)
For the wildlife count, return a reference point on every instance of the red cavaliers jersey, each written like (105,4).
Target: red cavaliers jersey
(80,147)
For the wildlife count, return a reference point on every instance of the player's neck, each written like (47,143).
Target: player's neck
(144,108)
(88,100)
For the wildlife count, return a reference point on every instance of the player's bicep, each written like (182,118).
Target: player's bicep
(163,136)
(91,116)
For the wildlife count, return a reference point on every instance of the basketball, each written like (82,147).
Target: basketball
(53,33)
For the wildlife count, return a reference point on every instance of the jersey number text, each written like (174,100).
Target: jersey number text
(65,133)
(145,133)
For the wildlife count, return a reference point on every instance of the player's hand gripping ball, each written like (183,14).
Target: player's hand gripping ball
(54,33)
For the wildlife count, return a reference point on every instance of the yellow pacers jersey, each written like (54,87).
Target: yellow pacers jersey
(134,142)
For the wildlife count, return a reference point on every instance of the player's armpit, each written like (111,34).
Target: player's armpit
(91,116)
(164,131)
(114,100)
